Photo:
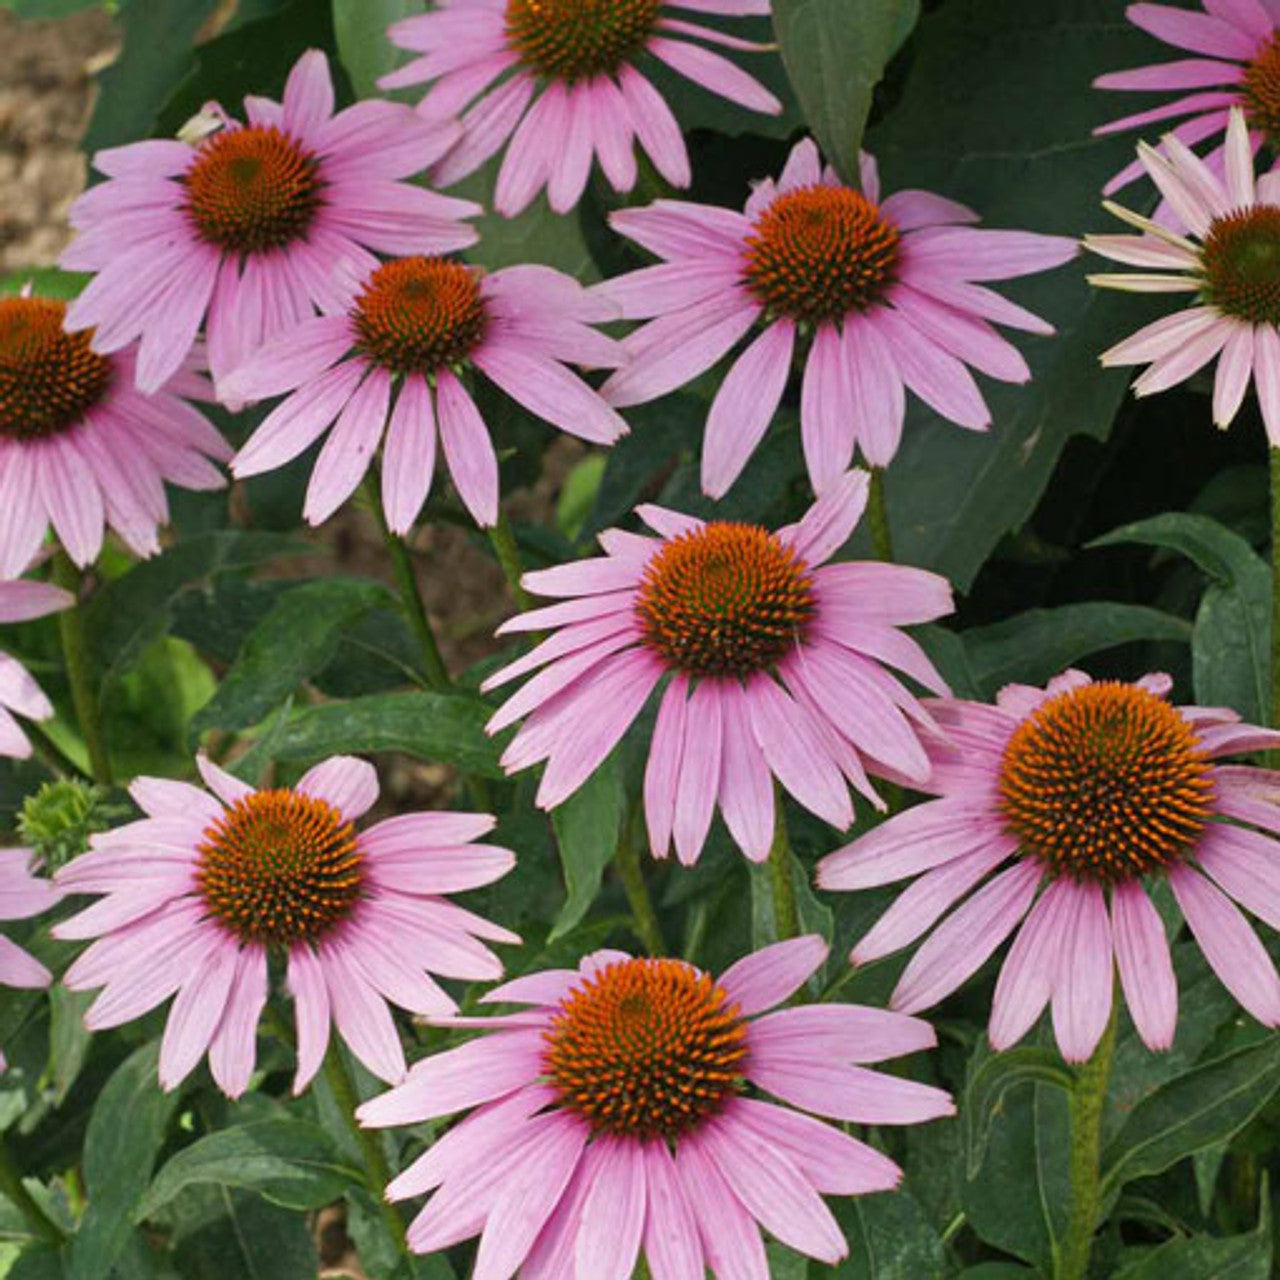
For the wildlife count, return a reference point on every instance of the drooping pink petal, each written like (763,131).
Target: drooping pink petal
(1146,967)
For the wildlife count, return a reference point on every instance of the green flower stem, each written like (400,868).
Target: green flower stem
(786,915)
(411,598)
(80,675)
(878,512)
(12,1187)
(378,1172)
(1088,1099)
(627,859)
(503,541)
(1273,455)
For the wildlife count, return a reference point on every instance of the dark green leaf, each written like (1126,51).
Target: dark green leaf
(889,1239)
(130,612)
(990,1076)
(297,639)
(835,52)
(996,1271)
(1230,641)
(587,826)
(447,728)
(1034,646)
(996,113)
(40,1262)
(252,1240)
(291,1162)
(125,1132)
(361,30)
(1192,1112)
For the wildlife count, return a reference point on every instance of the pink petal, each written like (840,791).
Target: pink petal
(1084,982)
(346,782)
(1146,968)
(769,976)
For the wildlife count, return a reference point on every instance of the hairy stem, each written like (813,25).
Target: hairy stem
(503,541)
(377,1171)
(786,915)
(1088,1098)
(14,1189)
(878,512)
(630,871)
(80,674)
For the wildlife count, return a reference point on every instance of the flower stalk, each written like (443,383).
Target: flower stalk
(80,675)
(786,913)
(503,541)
(643,914)
(878,512)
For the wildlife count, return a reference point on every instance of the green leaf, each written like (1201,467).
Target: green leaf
(125,1132)
(134,609)
(251,1240)
(1032,647)
(835,52)
(996,1271)
(993,113)
(155,58)
(292,1163)
(361,30)
(68,1038)
(1230,653)
(47,282)
(990,1076)
(889,1239)
(446,728)
(296,640)
(587,827)
(1192,1112)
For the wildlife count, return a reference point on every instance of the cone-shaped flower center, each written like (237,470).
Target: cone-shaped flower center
(821,252)
(647,1048)
(1261,89)
(48,377)
(253,189)
(726,599)
(280,867)
(1106,782)
(1241,264)
(574,39)
(417,315)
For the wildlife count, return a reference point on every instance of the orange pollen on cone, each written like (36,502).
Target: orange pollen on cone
(725,599)
(254,189)
(417,315)
(646,1048)
(1106,782)
(48,377)
(820,252)
(573,40)
(280,867)
(1240,262)
(1261,90)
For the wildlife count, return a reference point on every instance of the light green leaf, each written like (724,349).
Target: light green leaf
(361,30)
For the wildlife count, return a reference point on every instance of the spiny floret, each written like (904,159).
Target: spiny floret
(417,315)
(821,252)
(280,867)
(726,599)
(48,377)
(573,40)
(253,189)
(1106,782)
(1261,89)
(646,1048)
(1241,264)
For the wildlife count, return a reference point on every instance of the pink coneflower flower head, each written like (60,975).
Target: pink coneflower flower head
(253,227)
(1228,258)
(21,601)
(885,295)
(621,1113)
(561,80)
(410,333)
(778,665)
(1066,806)
(81,448)
(1235,64)
(200,892)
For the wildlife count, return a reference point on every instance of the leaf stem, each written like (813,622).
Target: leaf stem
(631,873)
(1087,1101)
(75,653)
(786,915)
(503,541)
(878,512)
(410,596)
(378,1172)
(12,1186)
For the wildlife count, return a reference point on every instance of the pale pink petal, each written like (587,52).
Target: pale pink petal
(468,451)
(662,771)
(769,976)
(231,1055)
(1146,968)
(1084,981)
(346,782)
(613,1213)
(655,126)
(671,1243)
(699,772)
(409,455)
(311,1012)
